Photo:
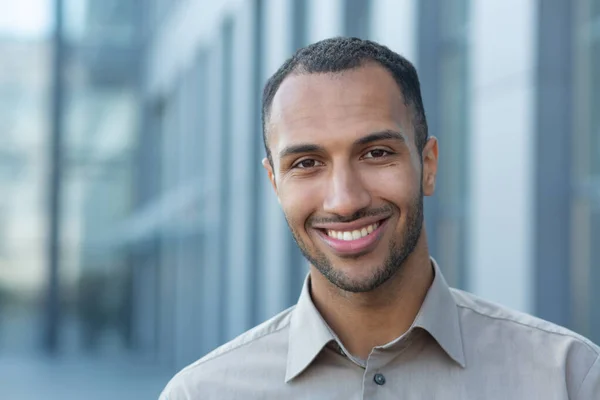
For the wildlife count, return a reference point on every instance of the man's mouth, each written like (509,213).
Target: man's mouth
(353,234)
(351,242)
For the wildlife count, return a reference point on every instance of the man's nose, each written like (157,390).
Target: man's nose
(346,193)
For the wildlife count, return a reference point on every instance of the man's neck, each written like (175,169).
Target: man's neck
(363,321)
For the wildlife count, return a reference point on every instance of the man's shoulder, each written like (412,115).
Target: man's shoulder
(515,341)
(270,336)
(519,324)
(253,336)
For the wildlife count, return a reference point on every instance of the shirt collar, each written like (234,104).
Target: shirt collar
(438,315)
(309,333)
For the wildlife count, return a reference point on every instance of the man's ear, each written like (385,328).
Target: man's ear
(430,165)
(269,168)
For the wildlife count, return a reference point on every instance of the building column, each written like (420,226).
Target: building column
(500,244)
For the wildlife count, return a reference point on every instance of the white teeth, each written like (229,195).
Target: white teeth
(352,235)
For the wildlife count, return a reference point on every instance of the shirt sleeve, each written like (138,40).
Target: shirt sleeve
(590,387)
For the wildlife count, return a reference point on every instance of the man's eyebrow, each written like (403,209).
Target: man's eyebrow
(381,135)
(299,149)
(313,148)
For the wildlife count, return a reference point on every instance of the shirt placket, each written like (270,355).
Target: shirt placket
(375,376)
(378,373)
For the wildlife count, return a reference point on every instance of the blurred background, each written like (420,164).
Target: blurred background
(138,230)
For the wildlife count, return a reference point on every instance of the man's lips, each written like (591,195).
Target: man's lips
(350,226)
(352,245)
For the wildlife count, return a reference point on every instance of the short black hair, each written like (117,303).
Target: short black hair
(344,53)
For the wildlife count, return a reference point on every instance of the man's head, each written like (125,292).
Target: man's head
(342,54)
(349,157)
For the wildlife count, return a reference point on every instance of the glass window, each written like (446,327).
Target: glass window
(25,83)
(101,127)
(356,18)
(299,24)
(226,170)
(586,171)
(297,263)
(453,135)
(255,200)
(443,71)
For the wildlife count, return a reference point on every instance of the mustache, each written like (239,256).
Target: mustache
(383,211)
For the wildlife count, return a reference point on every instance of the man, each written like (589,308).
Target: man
(350,159)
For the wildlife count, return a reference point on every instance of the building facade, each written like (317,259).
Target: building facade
(510,90)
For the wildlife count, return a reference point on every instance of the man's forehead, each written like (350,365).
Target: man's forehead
(368,82)
(364,98)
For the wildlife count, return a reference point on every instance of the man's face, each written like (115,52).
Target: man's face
(348,174)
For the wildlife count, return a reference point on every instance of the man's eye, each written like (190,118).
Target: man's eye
(377,153)
(308,163)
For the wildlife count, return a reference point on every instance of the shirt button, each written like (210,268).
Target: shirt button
(379,379)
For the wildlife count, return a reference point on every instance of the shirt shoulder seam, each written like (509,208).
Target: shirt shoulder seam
(539,328)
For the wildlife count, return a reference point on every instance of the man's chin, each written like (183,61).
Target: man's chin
(349,279)
(354,256)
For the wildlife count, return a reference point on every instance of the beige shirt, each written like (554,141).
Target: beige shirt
(459,347)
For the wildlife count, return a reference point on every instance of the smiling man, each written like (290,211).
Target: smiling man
(350,160)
